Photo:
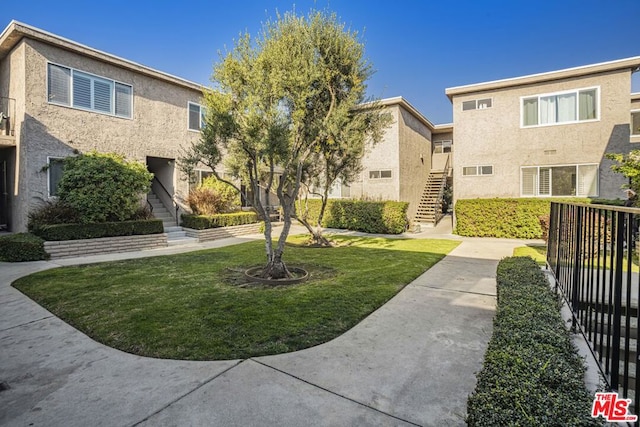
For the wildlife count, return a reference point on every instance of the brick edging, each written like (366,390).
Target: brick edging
(104,245)
(222,232)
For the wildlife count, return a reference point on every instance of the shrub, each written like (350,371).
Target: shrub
(508,218)
(213,197)
(202,222)
(103,187)
(531,373)
(359,215)
(22,247)
(54,212)
(98,229)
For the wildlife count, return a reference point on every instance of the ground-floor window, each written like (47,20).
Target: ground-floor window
(54,174)
(565,180)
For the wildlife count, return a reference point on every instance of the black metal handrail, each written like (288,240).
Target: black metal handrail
(171,197)
(591,251)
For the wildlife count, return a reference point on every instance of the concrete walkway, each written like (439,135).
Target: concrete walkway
(412,362)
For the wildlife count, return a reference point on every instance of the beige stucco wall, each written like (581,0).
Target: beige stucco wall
(414,159)
(158,127)
(382,156)
(494,137)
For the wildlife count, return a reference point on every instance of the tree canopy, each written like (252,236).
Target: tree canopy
(282,102)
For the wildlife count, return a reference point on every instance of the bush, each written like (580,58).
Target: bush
(103,187)
(531,373)
(22,247)
(98,229)
(359,215)
(202,222)
(213,197)
(54,212)
(508,218)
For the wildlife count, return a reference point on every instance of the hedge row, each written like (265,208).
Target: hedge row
(360,215)
(94,230)
(532,375)
(22,247)
(508,218)
(202,222)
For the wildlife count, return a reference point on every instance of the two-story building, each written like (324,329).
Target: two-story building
(544,135)
(58,97)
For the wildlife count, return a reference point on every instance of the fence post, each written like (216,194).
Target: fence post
(576,264)
(617,301)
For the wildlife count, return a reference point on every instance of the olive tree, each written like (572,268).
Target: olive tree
(276,101)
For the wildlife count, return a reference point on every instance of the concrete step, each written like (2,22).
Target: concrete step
(182,241)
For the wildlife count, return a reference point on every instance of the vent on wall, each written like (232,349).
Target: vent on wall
(549,152)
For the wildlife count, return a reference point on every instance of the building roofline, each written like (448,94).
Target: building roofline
(399,100)
(16,31)
(632,63)
(444,127)
(635,96)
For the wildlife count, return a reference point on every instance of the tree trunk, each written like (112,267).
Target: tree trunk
(276,269)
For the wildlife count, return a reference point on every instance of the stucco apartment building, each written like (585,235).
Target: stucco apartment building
(59,97)
(399,167)
(545,134)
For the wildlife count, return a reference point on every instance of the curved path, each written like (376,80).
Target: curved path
(412,362)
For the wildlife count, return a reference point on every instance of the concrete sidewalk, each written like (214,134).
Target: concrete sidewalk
(412,362)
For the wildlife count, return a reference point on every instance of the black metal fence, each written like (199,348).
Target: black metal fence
(592,254)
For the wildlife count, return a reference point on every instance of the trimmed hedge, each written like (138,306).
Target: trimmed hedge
(58,232)
(202,222)
(361,215)
(532,375)
(508,218)
(22,247)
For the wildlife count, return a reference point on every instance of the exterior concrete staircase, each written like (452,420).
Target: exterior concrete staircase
(430,206)
(175,234)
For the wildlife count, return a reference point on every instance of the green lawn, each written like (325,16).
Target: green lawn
(196,306)
(539,255)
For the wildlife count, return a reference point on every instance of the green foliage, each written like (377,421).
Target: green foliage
(98,229)
(629,166)
(507,218)
(22,247)
(53,212)
(202,222)
(213,197)
(360,215)
(103,187)
(532,375)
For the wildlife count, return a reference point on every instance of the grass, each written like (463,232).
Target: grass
(539,255)
(196,306)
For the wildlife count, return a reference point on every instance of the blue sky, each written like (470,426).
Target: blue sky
(418,48)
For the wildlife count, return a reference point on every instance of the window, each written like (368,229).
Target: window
(477,104)
(196,116)
(54,174)
(566,107)
(442,146)
(635,123)
(569,180)
(200,175)
(378,174)
(74,88)
(477,170)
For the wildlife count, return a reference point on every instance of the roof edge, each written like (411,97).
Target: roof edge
(16,31)
(632,63)
(399,100)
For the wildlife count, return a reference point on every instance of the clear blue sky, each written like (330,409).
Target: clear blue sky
(418,48)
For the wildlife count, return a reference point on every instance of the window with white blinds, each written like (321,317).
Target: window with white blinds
(78,89)
(567,181)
